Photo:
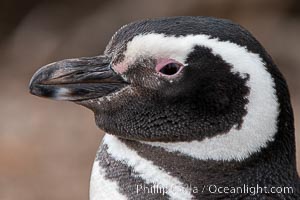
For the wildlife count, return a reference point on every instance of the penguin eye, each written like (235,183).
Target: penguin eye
(170,69)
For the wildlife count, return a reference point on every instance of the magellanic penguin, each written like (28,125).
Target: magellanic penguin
(193,108)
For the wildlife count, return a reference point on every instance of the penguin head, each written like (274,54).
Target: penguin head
(174,79)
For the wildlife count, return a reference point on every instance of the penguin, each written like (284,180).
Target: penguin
(192,107)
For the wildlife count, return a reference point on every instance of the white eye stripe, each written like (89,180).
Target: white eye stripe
(259,125)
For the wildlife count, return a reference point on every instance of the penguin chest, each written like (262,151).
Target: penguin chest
(104,182)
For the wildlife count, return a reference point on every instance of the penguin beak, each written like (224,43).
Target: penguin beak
(76,79)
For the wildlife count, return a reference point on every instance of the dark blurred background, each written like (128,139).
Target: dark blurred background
(47,147)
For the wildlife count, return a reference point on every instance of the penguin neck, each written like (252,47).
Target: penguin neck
(139,163)
(264,167)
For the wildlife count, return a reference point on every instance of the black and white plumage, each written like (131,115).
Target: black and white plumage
(185,101)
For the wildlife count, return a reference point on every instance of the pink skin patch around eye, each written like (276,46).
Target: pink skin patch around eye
(120,68)
(163,62)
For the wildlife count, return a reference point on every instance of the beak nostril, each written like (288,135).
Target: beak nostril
(80,73)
